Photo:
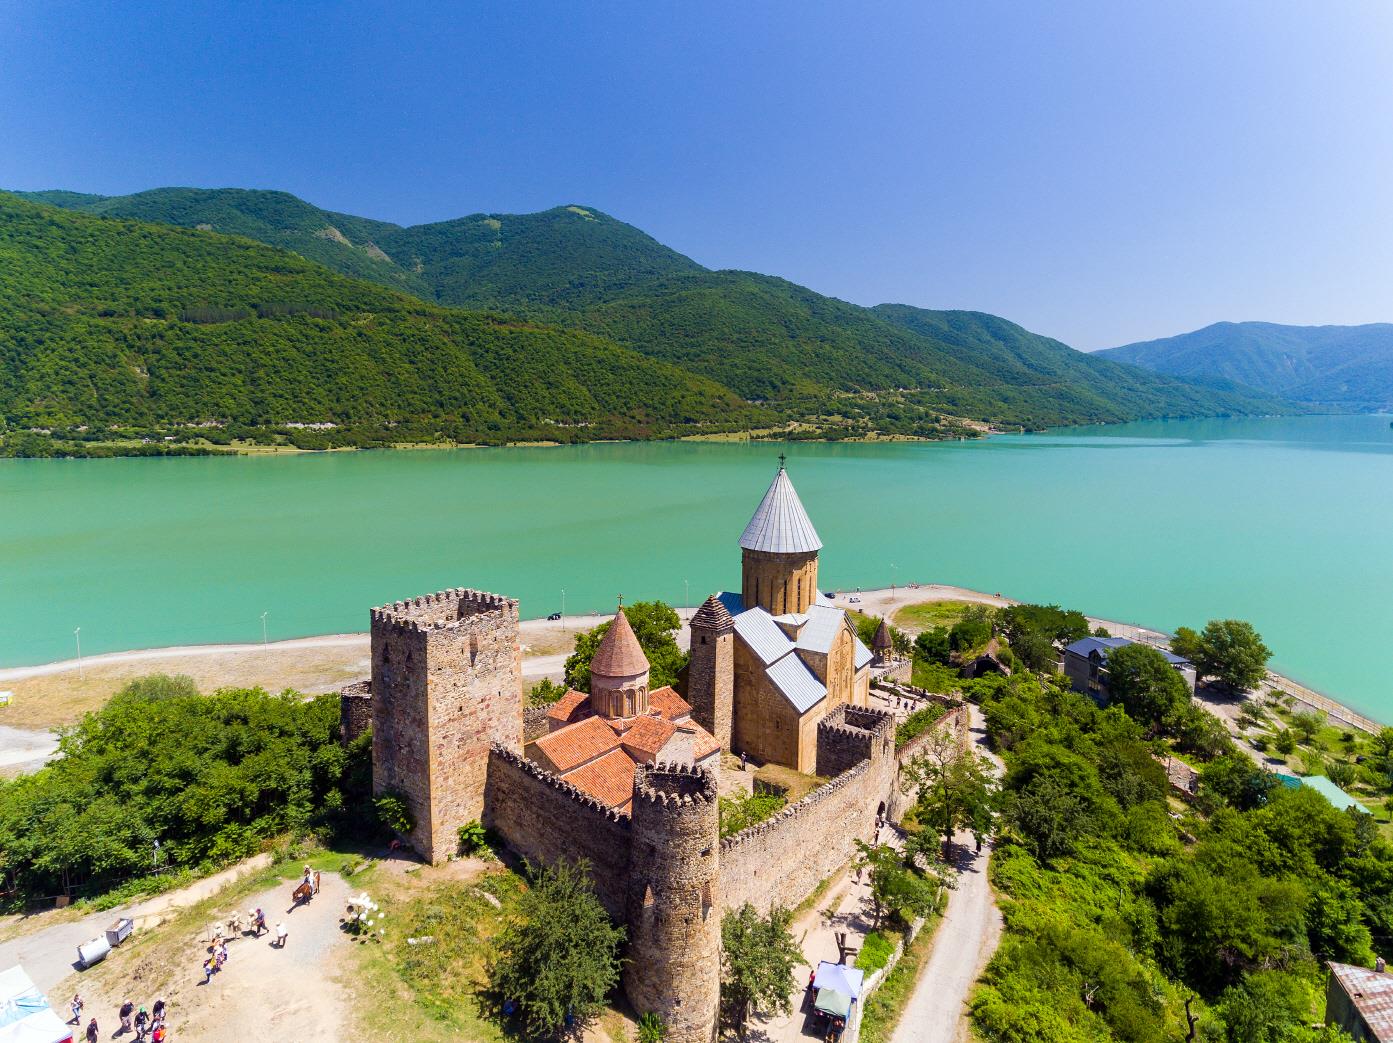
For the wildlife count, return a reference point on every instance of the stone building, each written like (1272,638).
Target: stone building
(624,778)
(1360,1001)
(768,663)
(1085,663)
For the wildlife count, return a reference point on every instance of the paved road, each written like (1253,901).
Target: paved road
(962,945)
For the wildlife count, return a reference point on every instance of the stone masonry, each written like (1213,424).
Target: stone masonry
(446,685)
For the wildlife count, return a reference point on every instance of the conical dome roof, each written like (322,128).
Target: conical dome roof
(881,642)
(780,525)
(619,654)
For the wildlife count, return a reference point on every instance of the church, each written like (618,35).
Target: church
(768,663)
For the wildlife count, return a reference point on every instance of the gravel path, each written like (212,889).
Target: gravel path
(962,945)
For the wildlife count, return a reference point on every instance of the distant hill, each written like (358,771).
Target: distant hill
(138,326)
(1346,367)
(889,369)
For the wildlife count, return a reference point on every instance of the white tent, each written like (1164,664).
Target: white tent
(25,1016)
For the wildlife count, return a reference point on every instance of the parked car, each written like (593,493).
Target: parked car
(554,616)
(855,600)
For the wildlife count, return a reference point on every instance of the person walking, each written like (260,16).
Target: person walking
(127,1009)
(281,932)
(142,1023)
(76,1006)
(92,1031)
(209,966)
(258,922)
(157,1011)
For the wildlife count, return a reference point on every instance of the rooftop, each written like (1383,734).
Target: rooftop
(619,654)
(1104,645)
(780,525)
(1371,993)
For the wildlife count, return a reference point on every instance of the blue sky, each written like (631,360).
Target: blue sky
(1098,171)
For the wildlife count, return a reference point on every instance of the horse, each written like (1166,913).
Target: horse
(303,893)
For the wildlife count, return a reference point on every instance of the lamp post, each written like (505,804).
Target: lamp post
(263,630)
(77,636)
(893,577)
(686,595)
(563,610)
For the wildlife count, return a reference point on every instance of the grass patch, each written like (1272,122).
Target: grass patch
(929,614)
(876,950)
(794,783)
(917,723)
(883,1009)
(934,677)
(737,813)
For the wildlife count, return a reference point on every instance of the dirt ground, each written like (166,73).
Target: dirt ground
(295,993)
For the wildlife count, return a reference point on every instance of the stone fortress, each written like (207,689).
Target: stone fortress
(626,778)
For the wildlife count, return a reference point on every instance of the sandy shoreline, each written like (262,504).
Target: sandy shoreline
(547,642)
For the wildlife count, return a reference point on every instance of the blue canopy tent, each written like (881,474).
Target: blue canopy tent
(837,976)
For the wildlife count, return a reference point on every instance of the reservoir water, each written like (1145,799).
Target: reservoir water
(1285,522)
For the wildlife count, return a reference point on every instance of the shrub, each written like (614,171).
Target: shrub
(474,839)
(651,1029)
(875,952)
(392,812)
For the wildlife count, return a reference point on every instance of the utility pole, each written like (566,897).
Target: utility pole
(263,630)
(77,636)
(686,595)
(563,610)
(893,577)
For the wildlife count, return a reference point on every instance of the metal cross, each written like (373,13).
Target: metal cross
(781,461)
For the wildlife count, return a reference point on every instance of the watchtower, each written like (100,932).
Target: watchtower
(674,968)
(711,675)
(446,683)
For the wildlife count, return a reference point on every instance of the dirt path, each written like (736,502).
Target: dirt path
(261,993)
(964,942)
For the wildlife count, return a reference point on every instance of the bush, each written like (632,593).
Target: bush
(392,812)
(474,839)
(917,723)
(651,1029)
(875,952)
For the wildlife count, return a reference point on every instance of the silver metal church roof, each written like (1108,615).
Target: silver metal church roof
(780,525)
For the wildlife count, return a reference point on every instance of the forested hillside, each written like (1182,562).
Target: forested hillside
(848,369)
(136,326)
(1346,367)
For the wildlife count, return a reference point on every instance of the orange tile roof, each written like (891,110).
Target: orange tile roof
(646,736)
(619,654)
(570,707)
(703,742)
(610,778)
(668,703)
(569,747)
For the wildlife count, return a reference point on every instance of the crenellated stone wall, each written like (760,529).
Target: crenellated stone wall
(546,819)
(355,710)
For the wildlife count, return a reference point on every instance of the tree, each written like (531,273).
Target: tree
(1285,742)
(758,955)
(654,624)
(560,955)
(1228,650)
(1381,746)
(1049,816)
(1235,780)
(1060,626)
(956,789)
(1308,724)
(1147,686)
(895,885)
(545,692)
(932,645)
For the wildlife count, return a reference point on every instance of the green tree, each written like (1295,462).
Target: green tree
(758,955)
(896,886)
(1228,650)
(655,625)
(545,692)
(932,645)
(1285,742)
(1149,689)
(1381,747)
(1308,724)
(560,954)
(954,788)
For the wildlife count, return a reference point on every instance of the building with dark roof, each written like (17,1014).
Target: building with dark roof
(1086,665)
(1360,1001)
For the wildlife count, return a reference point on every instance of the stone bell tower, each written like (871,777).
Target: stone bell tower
(779,552)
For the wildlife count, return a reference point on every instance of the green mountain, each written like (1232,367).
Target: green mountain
(1345,367)
(807,356)
(117,324)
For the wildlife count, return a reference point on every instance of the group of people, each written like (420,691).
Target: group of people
(145,1023)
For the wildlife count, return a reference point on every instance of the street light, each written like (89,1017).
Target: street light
(686,595)
(263,630)
(893,577)
(77,636)
(563,610)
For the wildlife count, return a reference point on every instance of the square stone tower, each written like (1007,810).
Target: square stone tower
(446,683)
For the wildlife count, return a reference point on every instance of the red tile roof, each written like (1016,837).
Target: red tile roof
(646,737)
(619,654)
(610,778)
(669,704)
(569,708)
(570,747)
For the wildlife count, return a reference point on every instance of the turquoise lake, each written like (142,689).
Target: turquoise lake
(1285,522)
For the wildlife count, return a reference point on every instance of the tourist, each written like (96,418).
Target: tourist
(281,932)
(157,1011)
(258,922)
(209,966)
(76,1006)
(92,1031)
(127,1009)
(142,1021)
(158,1034)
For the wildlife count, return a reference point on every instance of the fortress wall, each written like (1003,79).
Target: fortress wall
(546,819)
(534,723)
(781,860)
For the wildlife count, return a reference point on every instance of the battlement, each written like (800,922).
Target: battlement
(850,734)
(443,610)
(855,720)
(674,785)
(560,785)
(798,810)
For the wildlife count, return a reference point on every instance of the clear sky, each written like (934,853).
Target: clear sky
(1100,171)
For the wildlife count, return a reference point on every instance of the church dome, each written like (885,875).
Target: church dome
(780,524)
(619,654)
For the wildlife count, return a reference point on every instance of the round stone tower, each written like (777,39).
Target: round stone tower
(779,552)
(674,968)
(619,672)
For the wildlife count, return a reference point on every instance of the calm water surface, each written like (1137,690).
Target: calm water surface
(1285,522)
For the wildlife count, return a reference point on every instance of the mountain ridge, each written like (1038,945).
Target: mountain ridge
(1348,367)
